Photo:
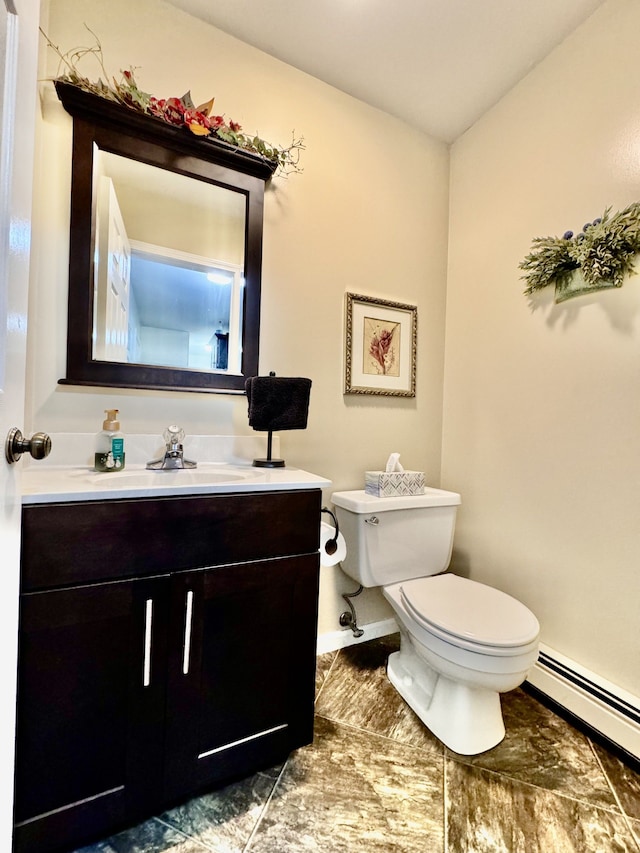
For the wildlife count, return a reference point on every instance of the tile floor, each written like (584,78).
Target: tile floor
(376,781)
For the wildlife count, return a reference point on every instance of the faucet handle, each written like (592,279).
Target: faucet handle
(173,434)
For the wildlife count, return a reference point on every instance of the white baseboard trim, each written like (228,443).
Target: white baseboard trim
(604,706)
(334,640)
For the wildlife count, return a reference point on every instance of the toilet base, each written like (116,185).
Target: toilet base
(466,719)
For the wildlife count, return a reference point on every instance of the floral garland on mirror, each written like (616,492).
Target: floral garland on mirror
(603,252)
(181,112)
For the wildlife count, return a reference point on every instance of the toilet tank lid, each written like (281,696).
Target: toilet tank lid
(361,502)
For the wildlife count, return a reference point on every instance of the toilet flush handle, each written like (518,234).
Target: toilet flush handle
(373,520)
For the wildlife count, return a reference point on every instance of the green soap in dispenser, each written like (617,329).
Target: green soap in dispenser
(109,455)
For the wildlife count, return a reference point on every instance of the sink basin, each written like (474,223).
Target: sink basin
(148,479)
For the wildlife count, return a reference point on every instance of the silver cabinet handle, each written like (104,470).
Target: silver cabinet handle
(148,620)
(188,618)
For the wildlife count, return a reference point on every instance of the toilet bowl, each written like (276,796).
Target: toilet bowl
(462,643)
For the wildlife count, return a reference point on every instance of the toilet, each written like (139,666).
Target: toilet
(462,643)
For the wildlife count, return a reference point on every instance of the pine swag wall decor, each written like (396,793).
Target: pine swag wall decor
(597,258)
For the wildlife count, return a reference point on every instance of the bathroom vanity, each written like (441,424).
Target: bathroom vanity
(167,645)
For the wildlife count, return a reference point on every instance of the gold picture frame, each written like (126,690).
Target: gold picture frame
(380,346)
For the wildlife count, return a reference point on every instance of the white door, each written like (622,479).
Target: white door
(113,274)
(18,71)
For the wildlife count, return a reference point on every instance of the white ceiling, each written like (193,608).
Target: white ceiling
(436,64)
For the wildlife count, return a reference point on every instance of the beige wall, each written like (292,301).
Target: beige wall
(368,215)
(542,402)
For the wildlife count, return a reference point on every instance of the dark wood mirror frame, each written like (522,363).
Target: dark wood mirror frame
(108,126)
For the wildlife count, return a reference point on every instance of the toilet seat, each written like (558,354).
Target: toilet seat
(469,614)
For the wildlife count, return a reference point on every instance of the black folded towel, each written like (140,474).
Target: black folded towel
(278,402)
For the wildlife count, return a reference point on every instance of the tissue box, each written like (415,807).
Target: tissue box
(393,484)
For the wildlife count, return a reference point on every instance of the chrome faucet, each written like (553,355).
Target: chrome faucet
(173,456)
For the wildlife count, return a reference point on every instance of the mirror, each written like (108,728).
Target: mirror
(165,253)
(168,268)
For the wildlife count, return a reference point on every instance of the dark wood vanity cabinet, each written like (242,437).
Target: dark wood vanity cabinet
(167,645)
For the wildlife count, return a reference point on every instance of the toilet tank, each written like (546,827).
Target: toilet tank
(393,539)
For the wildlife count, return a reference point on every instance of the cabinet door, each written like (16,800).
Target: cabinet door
(241,669)
(91,693)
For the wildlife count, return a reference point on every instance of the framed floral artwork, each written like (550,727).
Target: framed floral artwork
(380,347)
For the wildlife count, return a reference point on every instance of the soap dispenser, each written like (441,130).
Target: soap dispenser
(109,455)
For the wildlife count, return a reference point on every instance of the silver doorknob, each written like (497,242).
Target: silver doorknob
(39,445)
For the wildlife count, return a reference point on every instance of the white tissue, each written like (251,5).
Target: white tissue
(327,532)
(393,463)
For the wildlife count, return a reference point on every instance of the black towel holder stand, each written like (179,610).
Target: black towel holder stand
(269,462)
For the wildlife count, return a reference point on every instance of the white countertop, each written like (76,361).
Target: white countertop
(53,485)
(224,466)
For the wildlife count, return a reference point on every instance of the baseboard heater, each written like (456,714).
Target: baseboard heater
(601,705)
